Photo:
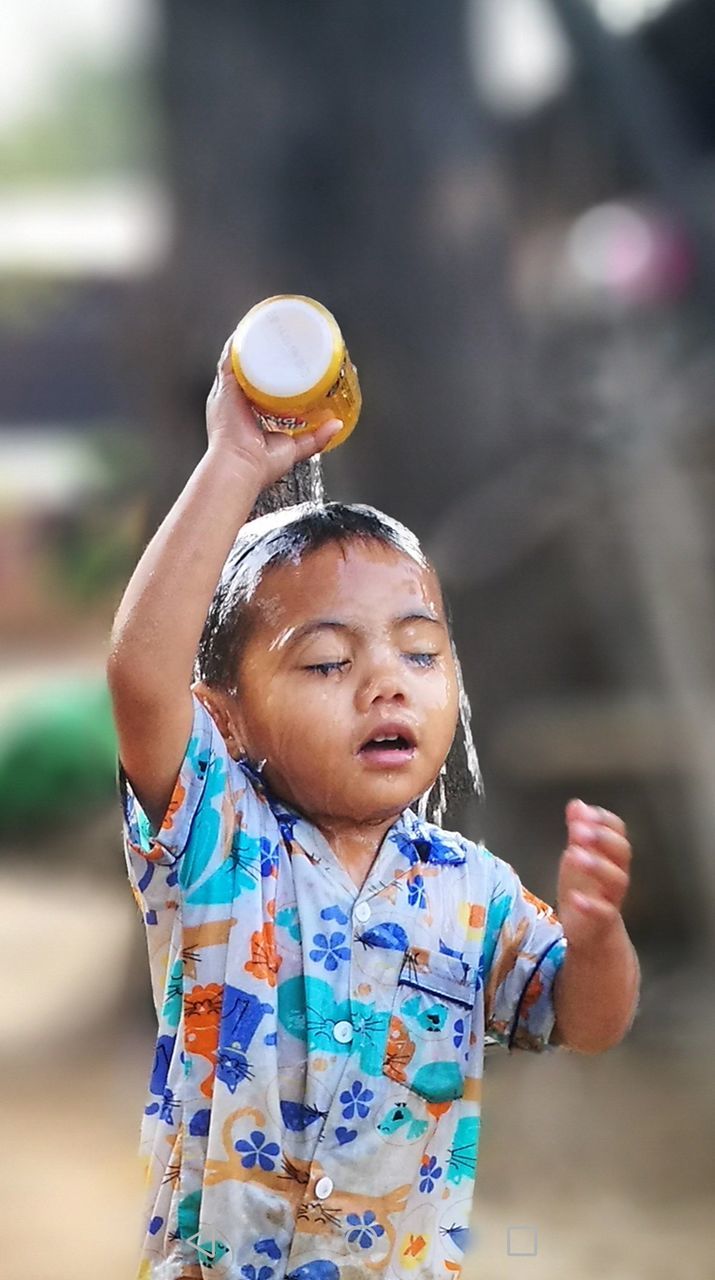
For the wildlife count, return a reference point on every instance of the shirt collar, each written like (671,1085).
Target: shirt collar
(415,840)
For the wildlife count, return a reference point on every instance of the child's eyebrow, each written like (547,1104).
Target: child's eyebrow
(354,628)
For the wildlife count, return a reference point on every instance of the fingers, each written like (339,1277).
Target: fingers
(315,441)
(602,913)
(224,365)
(594,813)
(294,449)
(602,840)
(599,854)
(599,872)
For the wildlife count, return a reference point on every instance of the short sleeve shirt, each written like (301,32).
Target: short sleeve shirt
(314,1104)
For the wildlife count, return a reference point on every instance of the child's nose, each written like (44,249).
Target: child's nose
(384,680)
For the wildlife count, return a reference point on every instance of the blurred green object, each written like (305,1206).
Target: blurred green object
(57,757)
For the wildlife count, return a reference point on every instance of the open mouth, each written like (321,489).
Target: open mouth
(392,743)
(389,746)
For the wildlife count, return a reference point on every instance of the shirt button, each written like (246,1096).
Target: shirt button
(343,1032)
(323,1188)
(363,912)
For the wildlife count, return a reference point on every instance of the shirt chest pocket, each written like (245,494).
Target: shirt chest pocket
(430,1024)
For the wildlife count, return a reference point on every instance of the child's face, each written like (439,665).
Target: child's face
(350,644)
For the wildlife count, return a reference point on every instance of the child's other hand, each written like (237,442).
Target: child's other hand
(594,873)
(232,429)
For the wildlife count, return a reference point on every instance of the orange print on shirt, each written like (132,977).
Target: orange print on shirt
(476,915)
(265,961)
(531,995)
(543,908)
(400,1050)
(202,1015)
(175,803)
(415,1247)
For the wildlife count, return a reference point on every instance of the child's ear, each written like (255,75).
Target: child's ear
(222,711)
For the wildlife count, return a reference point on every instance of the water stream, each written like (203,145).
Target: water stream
(465,716)
(316,488)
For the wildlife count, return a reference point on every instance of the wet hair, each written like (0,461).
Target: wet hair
(284,537)
(285,534)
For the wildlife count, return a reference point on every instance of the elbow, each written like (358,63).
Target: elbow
(112,667)
(593,1044)
(589,1050)
(116,668)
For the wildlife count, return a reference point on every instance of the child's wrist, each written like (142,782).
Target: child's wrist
(231,461)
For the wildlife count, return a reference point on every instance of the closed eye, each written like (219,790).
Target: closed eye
(422,659)
(326,668)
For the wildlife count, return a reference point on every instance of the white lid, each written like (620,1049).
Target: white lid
(285,346)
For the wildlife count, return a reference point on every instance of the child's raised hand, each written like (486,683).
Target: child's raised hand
(594,873)
(232,429)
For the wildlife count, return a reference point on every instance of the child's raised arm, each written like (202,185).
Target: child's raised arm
(158,624)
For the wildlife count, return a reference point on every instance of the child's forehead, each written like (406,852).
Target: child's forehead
(354,578)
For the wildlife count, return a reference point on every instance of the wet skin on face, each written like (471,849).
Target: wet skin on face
(349,643)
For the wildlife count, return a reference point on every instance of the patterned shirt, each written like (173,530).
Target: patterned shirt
(314,1104)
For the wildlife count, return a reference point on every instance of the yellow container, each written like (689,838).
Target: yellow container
(290,358)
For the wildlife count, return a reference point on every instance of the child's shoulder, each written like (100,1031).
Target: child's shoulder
(439,846)
(212,790)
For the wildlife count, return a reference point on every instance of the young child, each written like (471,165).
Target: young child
(325,963)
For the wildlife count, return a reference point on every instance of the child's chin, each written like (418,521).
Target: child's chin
(386,800)
(377,798)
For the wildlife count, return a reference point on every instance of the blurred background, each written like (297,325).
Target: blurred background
(509,205)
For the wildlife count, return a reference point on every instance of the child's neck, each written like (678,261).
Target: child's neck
(355,845)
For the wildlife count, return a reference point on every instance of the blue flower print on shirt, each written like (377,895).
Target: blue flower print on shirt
(258,1149)
(416,896)
(430,1173)
(458,1033)
(364,1228)
(250,1272)
(330,953)
(269,856)
(356,1100)
(334,913)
